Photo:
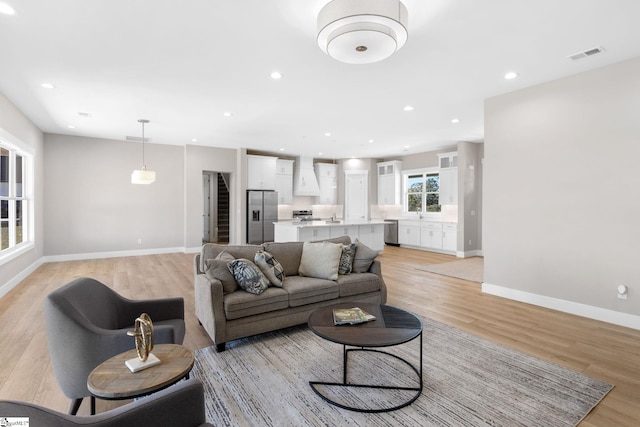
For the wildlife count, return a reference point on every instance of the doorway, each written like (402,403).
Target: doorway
(356,195)
(215,215)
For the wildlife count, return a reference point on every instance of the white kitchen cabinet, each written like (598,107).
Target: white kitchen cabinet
(372,235)
(449,186)
(307,234)
(261,172)
(409,233)
(390,183)
(431,235)
(327,175)
(448,160)
(345,230)
(450,237)
(284,181)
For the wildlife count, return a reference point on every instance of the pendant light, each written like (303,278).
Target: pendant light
(143,176)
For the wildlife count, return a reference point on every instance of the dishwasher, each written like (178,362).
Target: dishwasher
(391,232)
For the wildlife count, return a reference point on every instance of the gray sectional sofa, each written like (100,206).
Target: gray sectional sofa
(237,313)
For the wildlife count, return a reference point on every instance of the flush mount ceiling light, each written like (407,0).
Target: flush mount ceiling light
(362,32)
(143,176)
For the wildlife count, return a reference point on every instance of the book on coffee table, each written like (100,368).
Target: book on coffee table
(351,316)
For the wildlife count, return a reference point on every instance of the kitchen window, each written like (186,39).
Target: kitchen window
(15,200)
(422,192)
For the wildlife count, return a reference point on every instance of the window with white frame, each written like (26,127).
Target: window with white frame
(15,201)
(422,192)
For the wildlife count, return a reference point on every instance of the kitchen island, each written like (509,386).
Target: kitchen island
(371,233)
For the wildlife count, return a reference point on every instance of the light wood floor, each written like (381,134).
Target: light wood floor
(610,353)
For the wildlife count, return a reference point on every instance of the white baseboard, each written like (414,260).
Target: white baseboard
(5,288)
(468,254)
(114,254)
(591,312)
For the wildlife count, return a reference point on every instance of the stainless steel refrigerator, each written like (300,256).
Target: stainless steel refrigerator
(262,212)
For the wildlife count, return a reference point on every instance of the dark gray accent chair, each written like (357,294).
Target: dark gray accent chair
(87,323)
(181,405)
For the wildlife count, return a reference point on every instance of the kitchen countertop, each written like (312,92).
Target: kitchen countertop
(326,223)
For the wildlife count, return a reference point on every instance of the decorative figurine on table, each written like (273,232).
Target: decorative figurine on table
(143,335)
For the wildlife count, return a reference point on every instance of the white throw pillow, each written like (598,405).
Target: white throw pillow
(320,260)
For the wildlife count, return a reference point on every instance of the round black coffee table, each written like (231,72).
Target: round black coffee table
(393,326)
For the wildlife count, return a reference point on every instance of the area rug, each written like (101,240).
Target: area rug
(468,381)
(468,269)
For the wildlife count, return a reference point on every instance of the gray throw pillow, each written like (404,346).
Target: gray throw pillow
(248,276)
(346,259)
(270,267)
(364,258)
(216,269)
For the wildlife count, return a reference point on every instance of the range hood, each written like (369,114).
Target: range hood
(304,178)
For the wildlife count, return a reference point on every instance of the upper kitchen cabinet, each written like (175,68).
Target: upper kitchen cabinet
(390,183)
(284,181)
(448,160)
(261,172)
(327,174)
(448,178)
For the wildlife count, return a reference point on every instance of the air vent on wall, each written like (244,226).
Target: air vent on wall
(586,53)
(136,139)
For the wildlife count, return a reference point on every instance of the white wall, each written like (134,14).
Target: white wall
(18,126)
(562,193)
(91,205)
(207,159)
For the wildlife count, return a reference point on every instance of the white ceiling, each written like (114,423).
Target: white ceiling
(182,64)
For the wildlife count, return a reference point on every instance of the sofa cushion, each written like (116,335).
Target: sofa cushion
(248,276)
(363,258)
(216,269)
(356,284)
(243,304)
(346,258)
(270,266)
(307,290)
(343,240)
(212,250)
(320,260)
(287,253)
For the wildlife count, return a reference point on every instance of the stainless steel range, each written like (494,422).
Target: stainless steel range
(303,215)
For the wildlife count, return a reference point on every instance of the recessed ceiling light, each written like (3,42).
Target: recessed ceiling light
(327,134)
(320,154)
(510,75)
(455,120)
(47,86)
(408,108)
(71,127)
(227,114)
(282,149)
(194,140)
(276,75)
(370,141)
(6,9)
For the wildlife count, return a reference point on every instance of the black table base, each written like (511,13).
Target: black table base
(345,383)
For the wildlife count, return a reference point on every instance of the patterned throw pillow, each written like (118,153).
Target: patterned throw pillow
(248,276)
(270,267)
(346,259)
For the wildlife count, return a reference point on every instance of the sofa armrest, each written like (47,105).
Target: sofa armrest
(209,303)
(376,268)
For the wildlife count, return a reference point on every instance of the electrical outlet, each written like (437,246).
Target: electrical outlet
(623,291)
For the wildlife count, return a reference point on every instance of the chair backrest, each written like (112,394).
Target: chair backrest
(181,405)
(76,317)
(88,300)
